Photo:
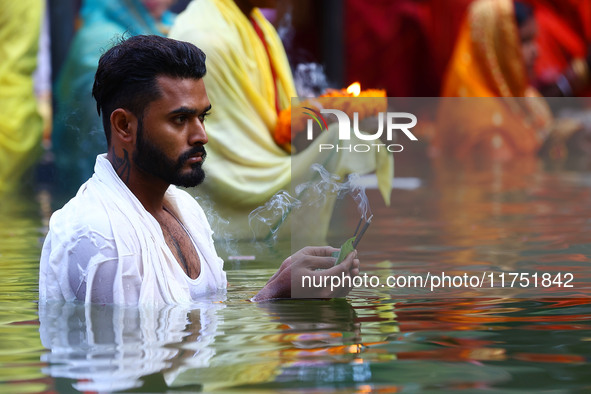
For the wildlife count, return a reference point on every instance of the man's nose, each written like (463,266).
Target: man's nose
(198,134)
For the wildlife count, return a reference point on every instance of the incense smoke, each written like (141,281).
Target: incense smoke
(274,211)
(310,80)
(269,218)
(223,239)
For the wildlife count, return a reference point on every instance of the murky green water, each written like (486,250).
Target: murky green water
(468,218)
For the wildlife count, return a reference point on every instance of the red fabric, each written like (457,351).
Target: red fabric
(402,46)
(261,35)
(564,33)
(561,34)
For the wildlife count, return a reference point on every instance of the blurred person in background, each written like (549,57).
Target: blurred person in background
(563,38)
(78,135)
(495,56)
(407,43)
(249,81)
(21,126)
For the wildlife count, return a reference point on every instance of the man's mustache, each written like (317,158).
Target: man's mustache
(192,152)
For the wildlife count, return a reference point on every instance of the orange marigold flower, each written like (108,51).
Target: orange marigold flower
(290,123)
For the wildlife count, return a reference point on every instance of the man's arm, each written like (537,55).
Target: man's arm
(87,264)
(311,262)
(92,261)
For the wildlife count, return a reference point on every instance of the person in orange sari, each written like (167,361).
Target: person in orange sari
(491,126)
(493,62)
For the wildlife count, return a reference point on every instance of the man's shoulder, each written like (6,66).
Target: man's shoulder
(85,214)
(74,217)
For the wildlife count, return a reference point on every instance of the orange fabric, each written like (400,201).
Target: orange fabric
(487,62)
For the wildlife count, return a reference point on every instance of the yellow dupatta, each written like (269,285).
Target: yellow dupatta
(242,155)
(244,166)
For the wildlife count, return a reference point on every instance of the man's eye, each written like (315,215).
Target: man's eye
(180,119)
(203,117)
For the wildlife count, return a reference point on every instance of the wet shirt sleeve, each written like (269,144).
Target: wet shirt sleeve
(92,268)
(88,264)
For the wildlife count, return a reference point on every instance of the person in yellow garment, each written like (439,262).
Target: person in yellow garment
(249,81)
(21,125)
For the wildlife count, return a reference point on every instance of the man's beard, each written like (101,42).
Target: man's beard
(149,158)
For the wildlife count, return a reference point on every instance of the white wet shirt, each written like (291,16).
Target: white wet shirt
(104,247)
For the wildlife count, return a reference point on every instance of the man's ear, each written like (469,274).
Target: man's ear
(123,125)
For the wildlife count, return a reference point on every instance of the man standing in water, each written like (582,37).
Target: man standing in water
(129,237)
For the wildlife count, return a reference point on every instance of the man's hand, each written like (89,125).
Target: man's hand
(313,261)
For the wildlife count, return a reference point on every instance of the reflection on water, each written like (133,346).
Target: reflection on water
(514,218)
(107,348)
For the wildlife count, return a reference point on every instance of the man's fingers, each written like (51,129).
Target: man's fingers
(319,262)
(318,250)
(355,270)
(339,287)
(349,266)
(349,261)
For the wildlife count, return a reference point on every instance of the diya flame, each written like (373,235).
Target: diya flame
(334,99)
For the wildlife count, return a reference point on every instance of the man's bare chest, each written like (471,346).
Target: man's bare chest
(180,244)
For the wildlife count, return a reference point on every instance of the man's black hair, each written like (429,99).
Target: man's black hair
(523,12)
(127,72)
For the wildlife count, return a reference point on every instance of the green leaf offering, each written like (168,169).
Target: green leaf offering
(346,248)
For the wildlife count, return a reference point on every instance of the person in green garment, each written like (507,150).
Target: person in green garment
(78,136)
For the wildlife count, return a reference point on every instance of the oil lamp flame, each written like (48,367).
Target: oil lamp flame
(354,89)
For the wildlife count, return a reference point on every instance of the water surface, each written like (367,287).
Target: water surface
(520,217)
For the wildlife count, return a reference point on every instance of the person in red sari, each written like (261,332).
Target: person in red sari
(563,39)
